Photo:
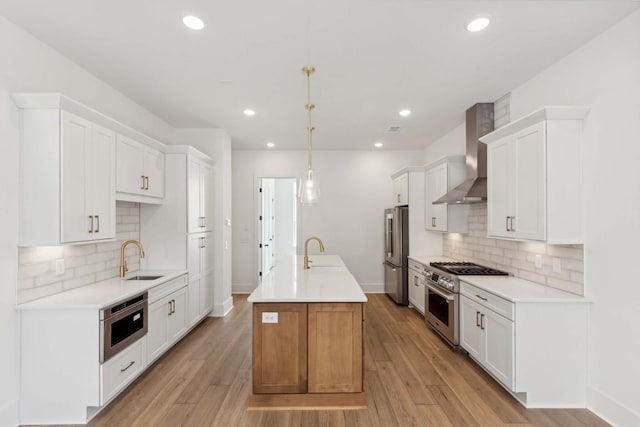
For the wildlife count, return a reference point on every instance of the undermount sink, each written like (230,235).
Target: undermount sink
(144,277)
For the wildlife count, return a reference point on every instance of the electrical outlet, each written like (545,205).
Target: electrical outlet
(557,267)
(538,261)
(269,317)
(59,267)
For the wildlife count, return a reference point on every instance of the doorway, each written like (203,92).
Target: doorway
(278,219)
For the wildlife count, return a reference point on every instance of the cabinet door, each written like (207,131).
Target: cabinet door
(280,348)
(500,187)
(178,319)
(401,190)
(335,348)
(153,167)
(206,253)
(193,255)
(470,332)
(129,176)
(76,152)
(530,190)
(102,204)
(194,300)
(416,291)
(498,346)
(194,219)
(157,334)
(435,187)
(206,294)
(206,196)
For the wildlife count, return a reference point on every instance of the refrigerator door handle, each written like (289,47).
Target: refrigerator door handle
(389,235)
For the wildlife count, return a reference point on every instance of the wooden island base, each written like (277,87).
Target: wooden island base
(306,402)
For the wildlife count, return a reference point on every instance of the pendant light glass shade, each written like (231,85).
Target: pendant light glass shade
(308,191)
(308,187)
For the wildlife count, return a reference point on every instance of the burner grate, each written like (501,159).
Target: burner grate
(467,269)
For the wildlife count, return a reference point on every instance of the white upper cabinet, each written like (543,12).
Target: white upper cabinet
(534,177)
(67,177)
(440,177)
(200,197)
(140,172)
(401,190)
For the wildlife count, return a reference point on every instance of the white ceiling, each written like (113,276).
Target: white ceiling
(373,57)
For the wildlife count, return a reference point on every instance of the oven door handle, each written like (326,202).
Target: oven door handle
(448,297)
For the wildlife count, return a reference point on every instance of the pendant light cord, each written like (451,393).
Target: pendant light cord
(308,71)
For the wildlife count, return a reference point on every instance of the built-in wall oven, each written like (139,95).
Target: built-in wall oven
(122,324)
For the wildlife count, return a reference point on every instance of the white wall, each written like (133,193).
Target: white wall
(605,74)
(285,202)
(355,188)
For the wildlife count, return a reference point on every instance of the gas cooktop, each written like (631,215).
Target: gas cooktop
(467,269)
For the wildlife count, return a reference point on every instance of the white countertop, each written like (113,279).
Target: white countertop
(328,280)
(520,290)
(102,294)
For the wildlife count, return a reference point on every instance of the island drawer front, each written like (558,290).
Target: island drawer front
(279,348)
(166,288)
(118,372)
(499,305)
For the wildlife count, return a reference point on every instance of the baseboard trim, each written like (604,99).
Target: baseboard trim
(242,288)
(610,410)
(9,414)
(372,288)
(221,310)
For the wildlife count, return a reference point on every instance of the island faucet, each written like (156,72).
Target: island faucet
(306,250)
(123,262)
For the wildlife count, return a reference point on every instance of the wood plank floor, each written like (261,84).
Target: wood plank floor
(412,378)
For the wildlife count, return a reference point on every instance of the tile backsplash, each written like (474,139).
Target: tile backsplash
(84,263)
(517,258)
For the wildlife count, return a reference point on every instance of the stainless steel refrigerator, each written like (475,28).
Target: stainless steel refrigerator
(396,250)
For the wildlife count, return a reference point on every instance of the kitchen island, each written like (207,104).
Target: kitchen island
(307,335)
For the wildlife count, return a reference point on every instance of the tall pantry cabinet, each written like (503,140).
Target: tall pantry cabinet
(178,235)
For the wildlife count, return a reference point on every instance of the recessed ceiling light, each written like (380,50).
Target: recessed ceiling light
(193,22)
(248,112)
(478,24)
(270,144)
(405,112)
(378,145)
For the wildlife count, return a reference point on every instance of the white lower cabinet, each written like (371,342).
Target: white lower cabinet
(535,348)
(416,286)
(118,372)
(167,322)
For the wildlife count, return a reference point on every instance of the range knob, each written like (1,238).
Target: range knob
(428,274)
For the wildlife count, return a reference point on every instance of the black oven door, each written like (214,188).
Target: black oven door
(441,312)
(123,329)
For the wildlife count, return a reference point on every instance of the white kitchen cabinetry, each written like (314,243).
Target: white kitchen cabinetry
(140,171)
(440,177)
(118,372)
(416,286)
(166,230)
(534,347)
(67,177)
(167,322)
(401,190)
(200,197)
(534,177)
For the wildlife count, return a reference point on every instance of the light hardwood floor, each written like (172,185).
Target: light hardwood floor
(411,378)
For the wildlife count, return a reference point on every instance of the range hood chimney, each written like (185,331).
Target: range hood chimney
(479,122)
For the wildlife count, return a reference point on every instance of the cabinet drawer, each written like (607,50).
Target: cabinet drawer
(160,291)
(415,265)
(118,372)
(499,305)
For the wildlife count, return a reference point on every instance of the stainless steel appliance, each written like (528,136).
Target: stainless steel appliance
(396,250)
(122,324)
(442,294)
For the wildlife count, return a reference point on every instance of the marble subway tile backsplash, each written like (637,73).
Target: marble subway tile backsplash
(84,264)
(517,258)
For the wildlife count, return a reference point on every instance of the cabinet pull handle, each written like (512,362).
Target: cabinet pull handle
(482,298)
(146,179)
(511,227)
(128,366)
(398,198)
(433,221)
(91,226)
(170,309)
(478,318)
(98,223)
(507,223)
(143,177)
(482,321)
(174,306)
(202,245)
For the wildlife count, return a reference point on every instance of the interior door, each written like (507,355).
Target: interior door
(267,225)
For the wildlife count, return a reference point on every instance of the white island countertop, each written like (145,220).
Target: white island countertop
(102,294)
(328,280)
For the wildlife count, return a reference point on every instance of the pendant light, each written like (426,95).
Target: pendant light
(308,188)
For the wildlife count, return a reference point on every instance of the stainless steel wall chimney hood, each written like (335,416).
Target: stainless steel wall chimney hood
(479,122)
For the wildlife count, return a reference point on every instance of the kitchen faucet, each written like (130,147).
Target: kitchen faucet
(306,250)
(123,262)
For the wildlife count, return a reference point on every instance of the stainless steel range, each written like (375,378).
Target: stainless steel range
(442,294)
